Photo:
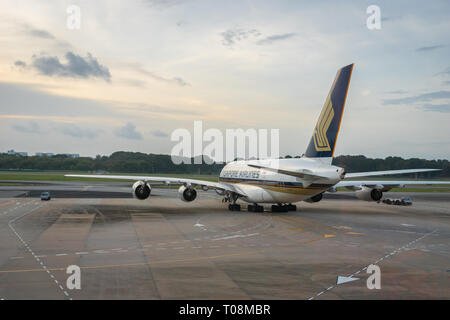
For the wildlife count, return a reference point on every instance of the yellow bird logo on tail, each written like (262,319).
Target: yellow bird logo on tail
(320,132)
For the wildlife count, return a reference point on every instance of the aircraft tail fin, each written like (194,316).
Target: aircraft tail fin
(323,140)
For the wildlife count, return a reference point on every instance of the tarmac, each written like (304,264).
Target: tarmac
(163,248)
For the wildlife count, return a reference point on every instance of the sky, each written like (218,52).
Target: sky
(137,70)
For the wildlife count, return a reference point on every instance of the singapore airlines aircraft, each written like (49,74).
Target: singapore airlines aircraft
(282,182)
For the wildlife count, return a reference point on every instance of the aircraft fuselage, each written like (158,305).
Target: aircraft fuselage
(264,186)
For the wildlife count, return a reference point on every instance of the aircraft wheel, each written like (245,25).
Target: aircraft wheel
(255,208)
(291,207)
(234,207)
(279,208)
(259,208)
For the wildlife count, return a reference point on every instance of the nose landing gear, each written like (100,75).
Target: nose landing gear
(233,206)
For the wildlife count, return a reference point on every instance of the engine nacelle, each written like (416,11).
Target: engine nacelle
(316,198)
(369,194)
(141,190)
(187,194)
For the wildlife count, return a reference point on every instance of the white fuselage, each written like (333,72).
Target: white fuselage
(265,186)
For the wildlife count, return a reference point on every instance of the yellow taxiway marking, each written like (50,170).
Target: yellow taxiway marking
(355,233)
(329,236)
(172,260)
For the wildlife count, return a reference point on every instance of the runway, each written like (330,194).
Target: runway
(163,248)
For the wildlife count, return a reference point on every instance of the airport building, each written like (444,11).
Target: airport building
(44,154)
(72,155)
(49,154)
(15,153)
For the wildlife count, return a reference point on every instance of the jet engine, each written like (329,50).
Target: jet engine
(316,198)
(141,190)
(369,194)
(187,194)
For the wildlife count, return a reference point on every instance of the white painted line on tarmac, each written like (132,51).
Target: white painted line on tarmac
(379,260)
(237,236)
(10,225)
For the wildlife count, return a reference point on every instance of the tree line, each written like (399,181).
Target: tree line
(136,162)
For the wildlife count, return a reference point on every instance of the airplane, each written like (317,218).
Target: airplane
(282,182)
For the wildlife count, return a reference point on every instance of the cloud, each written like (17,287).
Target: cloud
(445,72)
(181,23)
(24,100)
(425,97)
(159,134)
(20,64)
(134,82)
(175,80)
(430,48)
(77,132)
(232,36)
(40,33)
(128,132)
(75,67)
(67,129)
(148,108)
(180,81)
(30,127)
(164,3)
(35,32)
(275,37)
(397,92)
(444,108)
(27,100)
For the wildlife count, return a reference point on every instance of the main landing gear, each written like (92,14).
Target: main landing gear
(291,207)
(233,206)
(255,208)
(284,208)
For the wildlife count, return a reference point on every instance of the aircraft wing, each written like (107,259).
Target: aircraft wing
(385,185)
(167,181)
(387,172)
